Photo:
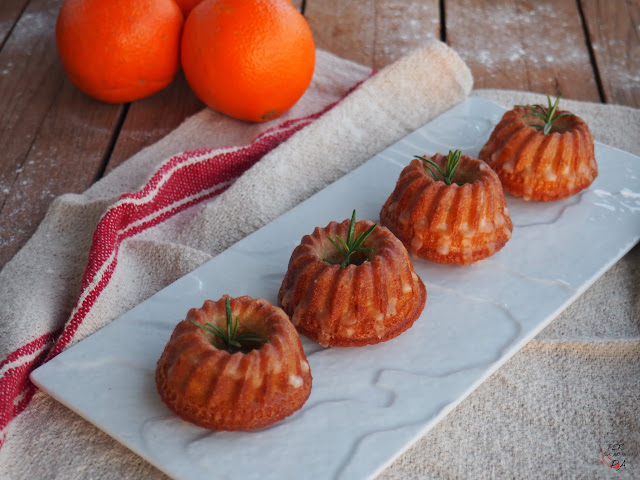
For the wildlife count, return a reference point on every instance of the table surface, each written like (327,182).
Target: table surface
(54,139)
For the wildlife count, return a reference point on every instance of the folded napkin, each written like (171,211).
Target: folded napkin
(163,212)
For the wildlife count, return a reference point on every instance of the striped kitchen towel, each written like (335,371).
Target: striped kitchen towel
(169,209)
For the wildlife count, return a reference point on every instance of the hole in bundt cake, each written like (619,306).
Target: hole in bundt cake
(549,119)
(228,338)
(465,175)
(359,258)
(561,125)
(243,346)
(564,124)
(445,168)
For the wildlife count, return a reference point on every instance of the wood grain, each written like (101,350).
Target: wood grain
(402,26)
(53,137)
(150,119)
(28,54)
(343,28)
(614,31)
(52,168)
(372,32)
(535,45)
(10,11)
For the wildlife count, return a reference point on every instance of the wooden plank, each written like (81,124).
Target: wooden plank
(53,137)
(27,87)
(614,31)
(150,119)
(343,29)
(535,45)
(10,11)
(402,26)
(65,157)
(372,32)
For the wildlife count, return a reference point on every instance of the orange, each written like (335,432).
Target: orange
(187,5)
(249,59)
(119,50)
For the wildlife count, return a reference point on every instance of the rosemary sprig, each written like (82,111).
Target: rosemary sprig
(453,159)
(233,342)
(547,115)
(352,245)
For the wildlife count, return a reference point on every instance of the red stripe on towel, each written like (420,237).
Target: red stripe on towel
(181,182)
(15,388)
(127,219)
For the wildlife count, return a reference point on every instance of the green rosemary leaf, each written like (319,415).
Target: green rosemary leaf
(352,245)
(352,228)
(433,164)
(210,328)
(548,114)
(251,337)
(451,165)
(227,306)
(433,173)
(345,246)
(362,237)
(535,114)
(343,251)
(235,327)
(231,339)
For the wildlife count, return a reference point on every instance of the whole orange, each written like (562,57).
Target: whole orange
(119,50)
(249,59)
(187,5)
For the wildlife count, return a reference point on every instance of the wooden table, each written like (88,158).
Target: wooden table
(55,140)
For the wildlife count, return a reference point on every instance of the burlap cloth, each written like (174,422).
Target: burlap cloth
(545,414)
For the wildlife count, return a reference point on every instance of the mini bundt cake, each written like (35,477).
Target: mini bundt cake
(227,374)
(448,209)
(541,153)
(356,292)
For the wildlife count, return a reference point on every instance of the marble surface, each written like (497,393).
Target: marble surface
(367,404)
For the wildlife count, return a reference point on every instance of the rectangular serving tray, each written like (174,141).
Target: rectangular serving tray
(368,404)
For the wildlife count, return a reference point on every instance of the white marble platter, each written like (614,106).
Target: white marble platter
(368,404)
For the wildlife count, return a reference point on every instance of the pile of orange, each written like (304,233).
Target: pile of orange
(249,59)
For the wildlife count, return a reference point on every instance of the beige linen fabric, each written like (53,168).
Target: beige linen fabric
(544,414)
(39,286)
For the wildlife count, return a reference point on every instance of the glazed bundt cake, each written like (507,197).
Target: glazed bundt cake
(541,153)
(448,209)
(353,292)
(234,364)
